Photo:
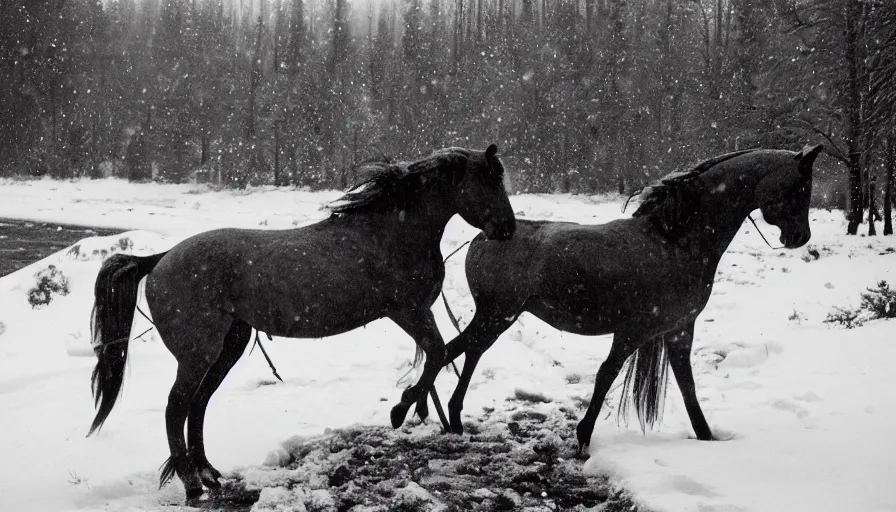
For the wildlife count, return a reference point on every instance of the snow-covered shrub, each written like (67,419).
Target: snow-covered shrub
(877,303)
(846,317)
(99,248)
(880,301)
(530,396)
(50,282)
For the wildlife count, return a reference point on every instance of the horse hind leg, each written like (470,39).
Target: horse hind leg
(186,384)
(196,339)
(235,342)
(624,345)
(421,326)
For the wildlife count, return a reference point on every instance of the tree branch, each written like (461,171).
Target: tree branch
(840,155)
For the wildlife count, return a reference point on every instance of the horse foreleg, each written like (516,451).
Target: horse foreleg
(483,331)
(680,361)
(421,326)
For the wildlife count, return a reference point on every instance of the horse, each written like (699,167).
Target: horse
(645,278)
(376,256)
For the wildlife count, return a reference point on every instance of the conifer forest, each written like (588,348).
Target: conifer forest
(581,96)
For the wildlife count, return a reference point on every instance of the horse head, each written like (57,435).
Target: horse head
(480,195)
(783,194)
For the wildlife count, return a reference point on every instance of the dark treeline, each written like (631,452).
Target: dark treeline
(580,95)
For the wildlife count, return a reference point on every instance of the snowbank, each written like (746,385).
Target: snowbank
(805,409)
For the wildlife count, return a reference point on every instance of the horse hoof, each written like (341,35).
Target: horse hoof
(457,428)
(422,410)
(209,477)
(193,494)
(582,451)
(397,415)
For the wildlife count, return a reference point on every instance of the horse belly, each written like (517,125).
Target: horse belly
(309,310)
(314,321)
(573,317)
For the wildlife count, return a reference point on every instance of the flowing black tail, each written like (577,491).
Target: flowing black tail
(646,376)
(113,312)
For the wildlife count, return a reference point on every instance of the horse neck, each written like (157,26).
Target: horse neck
(726,201)
(423,222)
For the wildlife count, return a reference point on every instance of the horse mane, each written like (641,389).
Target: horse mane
(672,201)
(392,186)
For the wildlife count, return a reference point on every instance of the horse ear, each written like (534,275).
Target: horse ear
(807,157)
(491,151)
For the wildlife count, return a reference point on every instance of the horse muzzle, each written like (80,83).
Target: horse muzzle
(499,230)
(795,240)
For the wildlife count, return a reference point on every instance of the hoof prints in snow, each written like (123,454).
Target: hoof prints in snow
(527,467)
(232,496)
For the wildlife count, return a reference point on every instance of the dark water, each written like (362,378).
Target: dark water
(23,242)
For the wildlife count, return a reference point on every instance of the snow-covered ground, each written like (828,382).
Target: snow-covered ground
(806,410)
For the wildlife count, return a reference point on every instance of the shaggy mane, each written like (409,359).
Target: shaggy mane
(391,186)
(673,200)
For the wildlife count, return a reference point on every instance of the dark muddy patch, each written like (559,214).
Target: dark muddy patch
(24,242)
(232,496)
(527,464)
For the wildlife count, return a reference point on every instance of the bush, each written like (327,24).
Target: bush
(848,318)
(50,281)
(880,301)
(876,303)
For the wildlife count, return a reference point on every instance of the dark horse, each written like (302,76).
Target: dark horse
(645,278)
(376,256)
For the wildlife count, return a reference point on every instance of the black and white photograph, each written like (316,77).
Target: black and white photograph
(447,255)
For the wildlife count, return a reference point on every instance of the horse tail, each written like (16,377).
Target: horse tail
(419,355)
(113,313)
(645,381)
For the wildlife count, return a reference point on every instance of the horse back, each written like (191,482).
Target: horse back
(313,281)
(586,278)
(510,268)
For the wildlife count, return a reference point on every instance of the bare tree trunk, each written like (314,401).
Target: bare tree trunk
(479,30)
(855,193)
(276,155)
(94,165)
(500,18)
(458,33)
(872,231)
(854,118)
(254,79)
(889,184)
(589,18)
(53,107)
(205,144)
(296,182)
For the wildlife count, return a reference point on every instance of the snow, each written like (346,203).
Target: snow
(805,410)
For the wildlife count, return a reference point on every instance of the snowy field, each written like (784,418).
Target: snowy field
(806,410)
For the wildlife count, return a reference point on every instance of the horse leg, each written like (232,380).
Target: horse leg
(624,345)
(421,326)
(483,331)
(195,336)
(680,361)
(187,382)
(234,345)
